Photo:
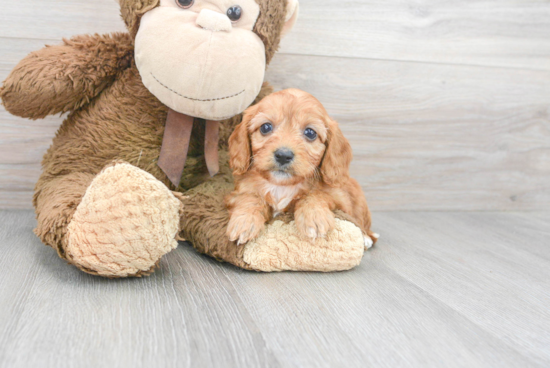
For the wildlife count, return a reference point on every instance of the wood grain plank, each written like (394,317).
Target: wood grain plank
(15,49)
(23,142)
(439,289)
(511,33)
(380,318)
(466,254)
(425,136)
(435,136)
(55,19)
(17,185)
(56,316)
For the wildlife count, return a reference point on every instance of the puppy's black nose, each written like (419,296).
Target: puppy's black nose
(283,156)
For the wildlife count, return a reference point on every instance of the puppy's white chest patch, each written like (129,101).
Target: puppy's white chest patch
(282,195)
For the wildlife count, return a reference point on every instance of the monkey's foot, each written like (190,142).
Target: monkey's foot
(125,223)
(280,248)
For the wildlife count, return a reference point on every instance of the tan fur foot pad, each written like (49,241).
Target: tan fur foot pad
(125,223)
(280,248)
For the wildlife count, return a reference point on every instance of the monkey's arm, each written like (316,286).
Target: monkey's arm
(65,77)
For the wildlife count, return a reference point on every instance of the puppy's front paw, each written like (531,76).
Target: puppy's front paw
(314,222)
(244,227)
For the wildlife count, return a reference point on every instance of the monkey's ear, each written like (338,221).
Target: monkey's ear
(132,10)
(292,10)
(239,144)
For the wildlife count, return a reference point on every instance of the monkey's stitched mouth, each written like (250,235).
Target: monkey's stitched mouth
(196,99)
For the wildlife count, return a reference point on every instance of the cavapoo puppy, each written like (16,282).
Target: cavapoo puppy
(289,155)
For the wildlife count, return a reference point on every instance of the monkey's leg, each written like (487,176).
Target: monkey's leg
(55,202)
(278,248)
(116,224)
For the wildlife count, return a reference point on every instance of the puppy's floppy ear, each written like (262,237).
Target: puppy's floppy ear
(338,156)
(239,144)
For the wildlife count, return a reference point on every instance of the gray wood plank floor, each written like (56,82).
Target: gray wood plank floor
(441,289)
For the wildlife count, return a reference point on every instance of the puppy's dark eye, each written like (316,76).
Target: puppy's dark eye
(234,13)
(310,134)
(185,3)
(266,128)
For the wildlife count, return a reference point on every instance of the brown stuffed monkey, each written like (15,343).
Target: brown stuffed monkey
(144,109)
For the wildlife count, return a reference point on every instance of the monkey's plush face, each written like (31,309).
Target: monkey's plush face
(201,57)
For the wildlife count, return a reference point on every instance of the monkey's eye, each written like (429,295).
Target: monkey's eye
(185,3)
(310,134)
(266,128)
(234,13)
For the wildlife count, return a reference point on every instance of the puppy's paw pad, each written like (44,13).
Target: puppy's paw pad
(315,223)
(311,232)
(244,227)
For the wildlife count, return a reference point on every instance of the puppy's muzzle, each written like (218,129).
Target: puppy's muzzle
(283,156)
